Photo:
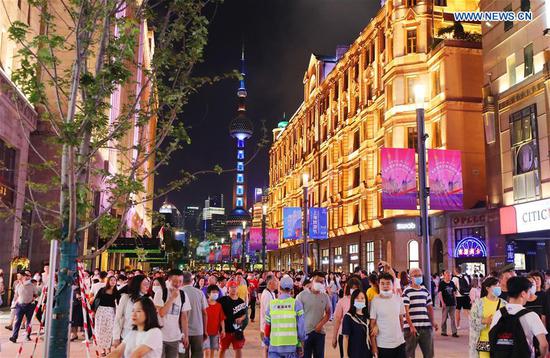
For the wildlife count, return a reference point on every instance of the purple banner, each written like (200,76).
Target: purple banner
(218,255)
(445,170)
(272,239)
(236,246)
(255,240)
(398,178)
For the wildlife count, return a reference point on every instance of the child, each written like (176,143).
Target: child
(215,322)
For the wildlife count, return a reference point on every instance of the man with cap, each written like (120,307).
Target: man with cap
(284,323)
(234,309)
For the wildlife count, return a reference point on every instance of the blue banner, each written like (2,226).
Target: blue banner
(292,223)
(318,223)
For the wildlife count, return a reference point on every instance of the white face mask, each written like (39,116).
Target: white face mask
(318,286)
(386,293)
(533,290)
(214,296)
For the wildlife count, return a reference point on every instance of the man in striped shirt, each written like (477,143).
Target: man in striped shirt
(419,317)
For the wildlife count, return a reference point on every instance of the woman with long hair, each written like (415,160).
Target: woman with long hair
(105,304)
(333,289)
(137,288)
(481,317)
(373,290)
(342,307)
(355,327)
(145,338)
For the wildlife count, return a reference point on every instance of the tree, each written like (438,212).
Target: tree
(111,95)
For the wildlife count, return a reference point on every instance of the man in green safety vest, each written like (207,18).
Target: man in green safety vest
(284,329)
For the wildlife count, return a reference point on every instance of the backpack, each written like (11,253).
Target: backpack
(465,285)
(507,338)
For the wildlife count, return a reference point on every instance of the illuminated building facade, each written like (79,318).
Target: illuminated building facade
(516,98)
(361,100)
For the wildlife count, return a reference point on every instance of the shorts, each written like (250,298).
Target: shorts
(463,302)
(229,339)
(212,342)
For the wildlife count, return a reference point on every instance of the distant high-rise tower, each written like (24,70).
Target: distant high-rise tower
(241,129)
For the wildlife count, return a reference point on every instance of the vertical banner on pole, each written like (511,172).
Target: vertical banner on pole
(254,240)
(226,252)
(272,239)
(236,244)
(445,170)
(318,223)
(398,178)
(292,223)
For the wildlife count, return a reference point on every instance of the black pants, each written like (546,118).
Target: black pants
(397,352)
(252,305)
(341,345)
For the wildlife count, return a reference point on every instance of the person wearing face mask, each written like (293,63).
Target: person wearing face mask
(355,328)
(267,296)
(419,316)
(481,317)
(316,305)
(342,307)
(386,321)
(509,321)
(215,322)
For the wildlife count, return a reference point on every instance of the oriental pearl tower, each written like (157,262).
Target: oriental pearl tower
(241,129)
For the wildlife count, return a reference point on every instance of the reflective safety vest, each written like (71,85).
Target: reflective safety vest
(284,322)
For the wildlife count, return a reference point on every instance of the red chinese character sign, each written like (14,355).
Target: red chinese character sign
(398,178)
(445,173)
(470,247)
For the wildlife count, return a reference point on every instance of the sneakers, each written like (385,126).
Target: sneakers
(455,335)
(458,327)
(14,340)
(9,327)
(444,334)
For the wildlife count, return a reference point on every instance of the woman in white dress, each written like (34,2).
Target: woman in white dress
(137,288)
(105,305)
(145,338)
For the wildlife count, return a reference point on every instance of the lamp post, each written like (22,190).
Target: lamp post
(264,213)
(419,94)
(243,236)
(305,229)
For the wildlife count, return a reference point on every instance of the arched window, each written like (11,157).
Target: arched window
(413,254)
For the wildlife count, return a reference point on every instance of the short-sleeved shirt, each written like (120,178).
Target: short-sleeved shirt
(371,293)
(315,306)
(171,331)
(531,323)
(448,291)
(357,334)
(388,314)
(151,338)
(232,309)
(215,317)
(198,304)
(418,301)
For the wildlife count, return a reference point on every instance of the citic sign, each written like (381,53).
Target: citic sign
(532,216)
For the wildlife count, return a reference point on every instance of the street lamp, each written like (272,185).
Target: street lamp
(419,95)
(243,260)
(305,231)
(264,213)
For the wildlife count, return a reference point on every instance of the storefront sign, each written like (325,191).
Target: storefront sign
(324,261)
(470,247)
(398,178)
(354,258)
(338,260)
(406,226)
(510,251)
(528,217)
(317,226)
(470,220)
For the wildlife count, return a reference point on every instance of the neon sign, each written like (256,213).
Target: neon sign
(471,247)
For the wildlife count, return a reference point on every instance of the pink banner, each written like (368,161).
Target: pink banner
(445,170)
(272,239)
(398,179)
(255,240)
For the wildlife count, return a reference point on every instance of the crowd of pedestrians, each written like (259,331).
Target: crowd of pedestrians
(382,314)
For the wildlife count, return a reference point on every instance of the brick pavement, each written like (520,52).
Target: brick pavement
(447,347)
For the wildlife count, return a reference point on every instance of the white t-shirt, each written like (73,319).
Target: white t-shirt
(531,323)
(388,313)
(265,299)
(151,338)
(171,331)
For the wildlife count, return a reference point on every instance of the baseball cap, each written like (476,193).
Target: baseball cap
(232,284)
(287,282)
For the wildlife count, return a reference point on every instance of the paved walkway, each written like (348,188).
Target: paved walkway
(447,347)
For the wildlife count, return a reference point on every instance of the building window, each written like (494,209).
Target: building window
(413,254)
(354,249)
(240,178)
(437,141)
(369,251)
(240,190)
(356,177)
(412,138)
(356,140)
(379,208)
(440,2)
(508,24)
(355,218)
(240,166)
(389,96)
(411,41)
(7,173)
(436,82)
(411,81)
(511,69)
(411,3)
(528,60)
(239,202)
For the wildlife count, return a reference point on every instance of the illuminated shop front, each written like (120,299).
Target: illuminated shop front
(338,260)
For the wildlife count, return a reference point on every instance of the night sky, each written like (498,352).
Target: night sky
(279,37)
